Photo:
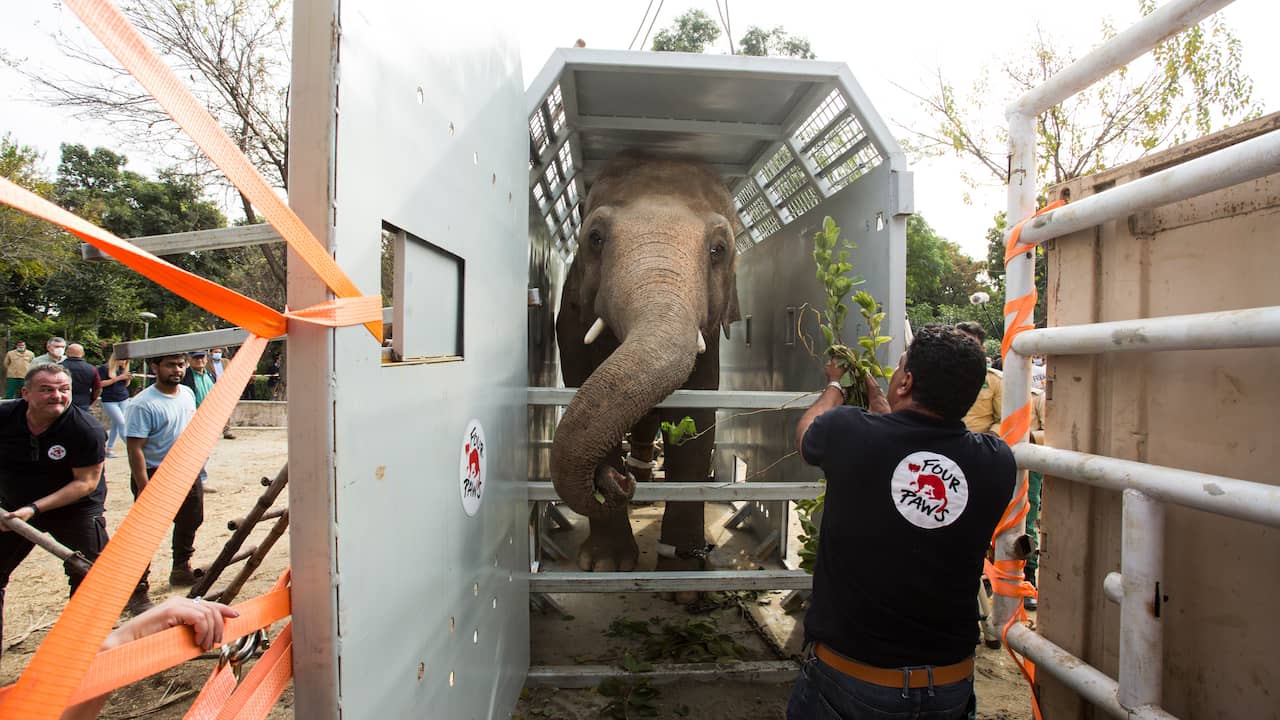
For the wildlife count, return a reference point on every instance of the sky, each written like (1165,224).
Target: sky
(889,46)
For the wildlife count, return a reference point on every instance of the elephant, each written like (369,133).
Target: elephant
(649,291)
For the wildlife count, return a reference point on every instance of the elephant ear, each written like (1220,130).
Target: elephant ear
(732,313)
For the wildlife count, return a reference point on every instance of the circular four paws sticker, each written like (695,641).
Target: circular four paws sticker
(472,467)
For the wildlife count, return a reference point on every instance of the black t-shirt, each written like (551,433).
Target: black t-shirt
(115,392)
(83,379)
(33,467)
(911,504)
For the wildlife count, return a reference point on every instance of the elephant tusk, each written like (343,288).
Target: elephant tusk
(702,344)
(594,332)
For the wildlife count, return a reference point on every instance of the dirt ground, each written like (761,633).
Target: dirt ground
(37,591)
(574,635)
(577,634)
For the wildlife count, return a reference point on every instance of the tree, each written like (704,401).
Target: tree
(777,42)
(941,278)
(1196,84)
(692,33)
(30,250)
(105,296)
(695,30)
(926,261)
(235,55)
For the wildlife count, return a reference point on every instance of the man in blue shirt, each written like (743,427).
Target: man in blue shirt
(157,416)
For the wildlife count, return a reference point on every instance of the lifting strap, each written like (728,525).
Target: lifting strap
(1006,576)
(63,659)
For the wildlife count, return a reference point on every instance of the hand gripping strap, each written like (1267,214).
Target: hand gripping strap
(123,41)
(64,656)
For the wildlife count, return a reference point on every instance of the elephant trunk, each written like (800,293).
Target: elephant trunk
(656,356)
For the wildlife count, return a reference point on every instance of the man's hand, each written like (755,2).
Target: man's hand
(876,401)
(24,513)
(833,370)
(205,618)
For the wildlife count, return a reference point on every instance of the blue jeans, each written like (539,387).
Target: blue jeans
(824,693)
(115,412)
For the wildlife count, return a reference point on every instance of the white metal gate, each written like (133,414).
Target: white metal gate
(1146,487)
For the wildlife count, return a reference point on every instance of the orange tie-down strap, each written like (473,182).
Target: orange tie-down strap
(131,662)
(65,655)
(1013,246)
(1008,579)
(128,46)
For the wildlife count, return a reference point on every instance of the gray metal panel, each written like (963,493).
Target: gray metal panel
(775,280)
(427,606)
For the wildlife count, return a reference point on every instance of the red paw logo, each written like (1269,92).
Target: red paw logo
(471,468)
(929,490)
(57,452)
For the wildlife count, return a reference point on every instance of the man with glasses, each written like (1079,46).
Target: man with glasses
(51,474)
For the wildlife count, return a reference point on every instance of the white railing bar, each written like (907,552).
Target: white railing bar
(723,399)
(1254,158)
(589,676)
(598,582)
(1241,499)
(1141,570)
(1134,42)
(1249,328)
(1092,684)
(694,492)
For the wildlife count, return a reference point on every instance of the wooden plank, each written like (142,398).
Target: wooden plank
(588,582)
(710,491)
(589,676)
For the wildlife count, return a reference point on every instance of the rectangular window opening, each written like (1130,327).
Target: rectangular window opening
(424,285)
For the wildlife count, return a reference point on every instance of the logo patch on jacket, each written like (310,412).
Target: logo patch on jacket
(57,452)
(929,490)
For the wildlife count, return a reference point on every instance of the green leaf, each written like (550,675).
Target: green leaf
(828,335)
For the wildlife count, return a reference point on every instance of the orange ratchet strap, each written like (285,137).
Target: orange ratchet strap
(123,41)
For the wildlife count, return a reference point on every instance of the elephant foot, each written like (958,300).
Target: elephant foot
(681,564)
(610,546)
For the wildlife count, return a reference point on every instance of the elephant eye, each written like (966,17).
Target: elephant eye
(596,239)
(717,251)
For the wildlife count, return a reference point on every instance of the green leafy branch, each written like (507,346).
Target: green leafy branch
(831,257)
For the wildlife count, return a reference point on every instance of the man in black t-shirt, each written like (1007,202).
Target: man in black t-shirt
(51,473)
(911,502)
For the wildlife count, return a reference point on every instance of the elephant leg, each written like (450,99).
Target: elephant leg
(640,461)
(683,522)
(610,546)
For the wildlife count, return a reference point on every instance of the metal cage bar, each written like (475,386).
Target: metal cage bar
(1137,693)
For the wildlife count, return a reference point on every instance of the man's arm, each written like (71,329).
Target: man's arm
(96,392)
(829,399)
(84,481)
(137,461)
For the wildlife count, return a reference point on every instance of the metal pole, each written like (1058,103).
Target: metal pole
(1250,328)
(1092,684)
(1241,499)
(1145,34)
(1141,632)
(1019,281)
(1254,158)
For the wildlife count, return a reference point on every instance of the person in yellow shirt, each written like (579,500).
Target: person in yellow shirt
(16,363)
(984,414)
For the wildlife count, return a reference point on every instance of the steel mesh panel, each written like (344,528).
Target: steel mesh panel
(775,165)
(853,168)
(787,184)
(822,117)
(804,201)
(841,137)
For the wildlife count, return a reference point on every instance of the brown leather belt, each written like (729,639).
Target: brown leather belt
(888,677)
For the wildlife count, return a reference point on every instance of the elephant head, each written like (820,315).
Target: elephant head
(654,273)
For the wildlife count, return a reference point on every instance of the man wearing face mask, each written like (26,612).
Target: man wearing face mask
(215,360)
(56,350)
